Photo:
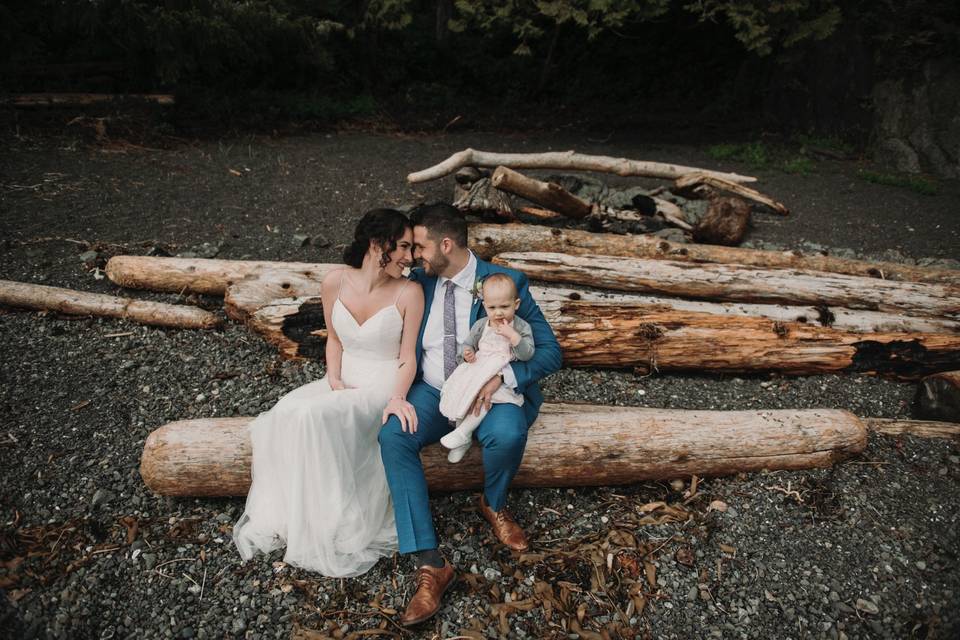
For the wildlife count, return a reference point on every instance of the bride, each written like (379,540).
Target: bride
(318,482)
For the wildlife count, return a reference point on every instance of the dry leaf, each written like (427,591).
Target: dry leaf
(727,548)
(651,572)
(684,555)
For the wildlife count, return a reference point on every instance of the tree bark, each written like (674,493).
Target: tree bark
(198,275)
(82,99)
(938,397)
(737,282)
(569,445)
(657,337)
(487,240)
(691,182)
(918,428)
(68,301)
(725,222)
(567,160)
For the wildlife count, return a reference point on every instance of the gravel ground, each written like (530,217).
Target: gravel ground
(867,549)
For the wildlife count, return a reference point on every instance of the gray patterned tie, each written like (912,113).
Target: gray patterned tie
(449,330)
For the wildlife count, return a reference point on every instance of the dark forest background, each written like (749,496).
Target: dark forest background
(791,65)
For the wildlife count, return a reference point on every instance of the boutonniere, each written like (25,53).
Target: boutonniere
(477,290)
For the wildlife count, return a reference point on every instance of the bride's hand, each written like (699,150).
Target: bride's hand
(336,385)
(404,411)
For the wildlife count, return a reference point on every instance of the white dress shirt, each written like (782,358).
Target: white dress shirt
(432,363)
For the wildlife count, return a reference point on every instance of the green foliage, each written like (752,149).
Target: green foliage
(798,164)
(761,25)
(755,154)
(918,184)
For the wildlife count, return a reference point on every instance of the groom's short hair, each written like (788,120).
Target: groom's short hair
(441,220)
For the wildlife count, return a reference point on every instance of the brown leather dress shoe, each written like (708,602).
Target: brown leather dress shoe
(432,582)
(504,526)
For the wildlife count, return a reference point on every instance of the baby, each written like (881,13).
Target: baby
(492,343)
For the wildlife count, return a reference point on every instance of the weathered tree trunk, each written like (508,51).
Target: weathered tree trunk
(918,428)
(567,160)
(725,222)
(548,194)
(82,99)
(938,397)
(855,320)
(654,336)
(693,181)
(68,301)
(487,240)
(737,282)
(569,445)
(198,275)
(243,298)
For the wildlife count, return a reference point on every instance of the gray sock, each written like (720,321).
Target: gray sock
(429,557)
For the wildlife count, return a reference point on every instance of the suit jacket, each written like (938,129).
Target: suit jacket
(546,357)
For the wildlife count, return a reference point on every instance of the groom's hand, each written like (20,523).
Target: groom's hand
(486,393)
(405,413)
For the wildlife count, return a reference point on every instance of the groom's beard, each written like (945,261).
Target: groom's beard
(436,266)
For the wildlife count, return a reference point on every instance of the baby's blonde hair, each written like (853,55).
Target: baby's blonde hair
(501,280)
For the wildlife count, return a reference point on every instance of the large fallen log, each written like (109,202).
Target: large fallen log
(656,337)
(938,397)
(281,293)
(737,282)
(569,445)
(487,240)
(197,275)
(568,160)
(43,298)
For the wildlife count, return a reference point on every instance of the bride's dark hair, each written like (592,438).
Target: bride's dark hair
(384,227)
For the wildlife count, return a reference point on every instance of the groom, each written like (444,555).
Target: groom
(450,276)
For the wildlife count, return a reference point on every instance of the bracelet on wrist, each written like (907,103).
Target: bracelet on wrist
(398,397)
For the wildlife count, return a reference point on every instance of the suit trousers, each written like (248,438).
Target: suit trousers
(502,434)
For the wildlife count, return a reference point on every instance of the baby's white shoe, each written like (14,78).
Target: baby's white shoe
(455,439)
(456,454)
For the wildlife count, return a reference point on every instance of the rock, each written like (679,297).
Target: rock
(300,239)
(89,256)
(149,561)
(100,497)
(867,606)
(320,240)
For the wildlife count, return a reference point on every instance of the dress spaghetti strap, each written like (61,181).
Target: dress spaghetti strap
(401,292)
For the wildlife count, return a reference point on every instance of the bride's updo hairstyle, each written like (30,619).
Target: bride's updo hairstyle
(382,226)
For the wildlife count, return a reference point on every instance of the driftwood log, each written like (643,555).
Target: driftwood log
(547,194)
(83,99)
(566,160)
(656,337)
(737,282)
(694,181)
(569,445)
(918,428)
(197,275)
(487,240)
(557,199)
(43,298)
(938,397)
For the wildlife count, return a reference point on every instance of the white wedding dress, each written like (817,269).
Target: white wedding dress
(318,482)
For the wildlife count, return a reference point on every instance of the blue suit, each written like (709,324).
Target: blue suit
(502,434)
